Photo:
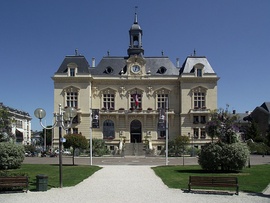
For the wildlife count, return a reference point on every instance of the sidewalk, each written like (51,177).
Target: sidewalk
(127,183)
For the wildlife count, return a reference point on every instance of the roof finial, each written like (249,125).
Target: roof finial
(194,52)
(108,53)
(136,17)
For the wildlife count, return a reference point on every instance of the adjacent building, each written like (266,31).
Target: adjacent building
(135,98)
(261,116)
(21,124)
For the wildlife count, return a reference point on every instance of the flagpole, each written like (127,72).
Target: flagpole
(167,131)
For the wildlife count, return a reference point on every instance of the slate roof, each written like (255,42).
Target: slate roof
(259,113)
(191,61)
(82,64)
(119,63)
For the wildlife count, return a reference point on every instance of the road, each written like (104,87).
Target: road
(132,160)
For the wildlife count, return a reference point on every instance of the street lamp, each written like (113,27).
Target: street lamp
(63,119)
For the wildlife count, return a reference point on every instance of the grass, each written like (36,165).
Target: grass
(72,175)
(253,180)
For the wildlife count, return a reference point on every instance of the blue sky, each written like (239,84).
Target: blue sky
(36,35)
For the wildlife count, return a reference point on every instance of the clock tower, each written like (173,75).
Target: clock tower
(135,36)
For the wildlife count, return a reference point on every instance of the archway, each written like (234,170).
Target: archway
(135,131)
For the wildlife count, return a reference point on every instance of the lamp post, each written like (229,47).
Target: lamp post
(63,119)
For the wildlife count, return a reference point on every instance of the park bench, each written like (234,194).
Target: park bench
(14,182)
(205,181)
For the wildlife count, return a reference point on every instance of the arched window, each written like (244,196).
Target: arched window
(108,129)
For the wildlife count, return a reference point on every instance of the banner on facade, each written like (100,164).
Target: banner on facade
(95,118)
(162,120)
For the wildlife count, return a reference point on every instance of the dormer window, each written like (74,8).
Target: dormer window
(109,70)
(162,70)
(72,69)
(198,70)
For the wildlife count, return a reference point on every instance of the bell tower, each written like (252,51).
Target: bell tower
(135,36)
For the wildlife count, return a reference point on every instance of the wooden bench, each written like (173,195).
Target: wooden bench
(205,181)
(14,182)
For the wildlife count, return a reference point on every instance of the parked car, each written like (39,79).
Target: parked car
(65,152)
(28,154)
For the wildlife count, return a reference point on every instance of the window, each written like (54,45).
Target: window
(199,72)
(72,99)
(162,70)
(136,101)
(72,72)
(199,99)
(108,101)
(108,129)
(19,124)
(162,134)
(109,70)
(196,133)
(162,101)
(203,119)
(203,134)
(195,119)
(72,131)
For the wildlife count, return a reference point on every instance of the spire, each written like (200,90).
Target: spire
(136,16)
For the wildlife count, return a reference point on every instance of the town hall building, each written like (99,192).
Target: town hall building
(137,99)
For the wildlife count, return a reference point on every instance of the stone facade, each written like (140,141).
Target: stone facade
(134,98)
(21,124)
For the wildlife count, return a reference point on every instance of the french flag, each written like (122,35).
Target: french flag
(136,99)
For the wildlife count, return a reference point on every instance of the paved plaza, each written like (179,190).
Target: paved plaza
(132,160)
(128,179)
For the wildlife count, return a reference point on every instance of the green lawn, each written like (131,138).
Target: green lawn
(72,175)
(254,179)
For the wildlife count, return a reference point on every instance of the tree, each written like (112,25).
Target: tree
(99,147)
(76,141)
(5,125)
(223,125)
(228,153)
(252,131)
(48,136)
(177,146)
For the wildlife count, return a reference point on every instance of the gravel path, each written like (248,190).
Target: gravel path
(125,184)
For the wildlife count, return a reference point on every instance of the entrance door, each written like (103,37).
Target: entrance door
(135,131)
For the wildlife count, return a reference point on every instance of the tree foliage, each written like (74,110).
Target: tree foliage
(99,147)
(11,155)
(48,136)
(252,131)
(76,141)
(223,125)
(223,156)
(177,146)
(228,153)
(5,125)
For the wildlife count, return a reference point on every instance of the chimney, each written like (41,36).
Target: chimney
(177,63)
(93,62)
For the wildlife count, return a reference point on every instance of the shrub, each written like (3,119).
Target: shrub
(234,156)
(99,147)
(209,157)
(228,157)
(11,155)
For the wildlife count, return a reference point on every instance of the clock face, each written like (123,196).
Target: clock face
(136,68)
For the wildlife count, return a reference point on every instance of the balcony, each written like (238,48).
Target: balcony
(199,110)
(121,111)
